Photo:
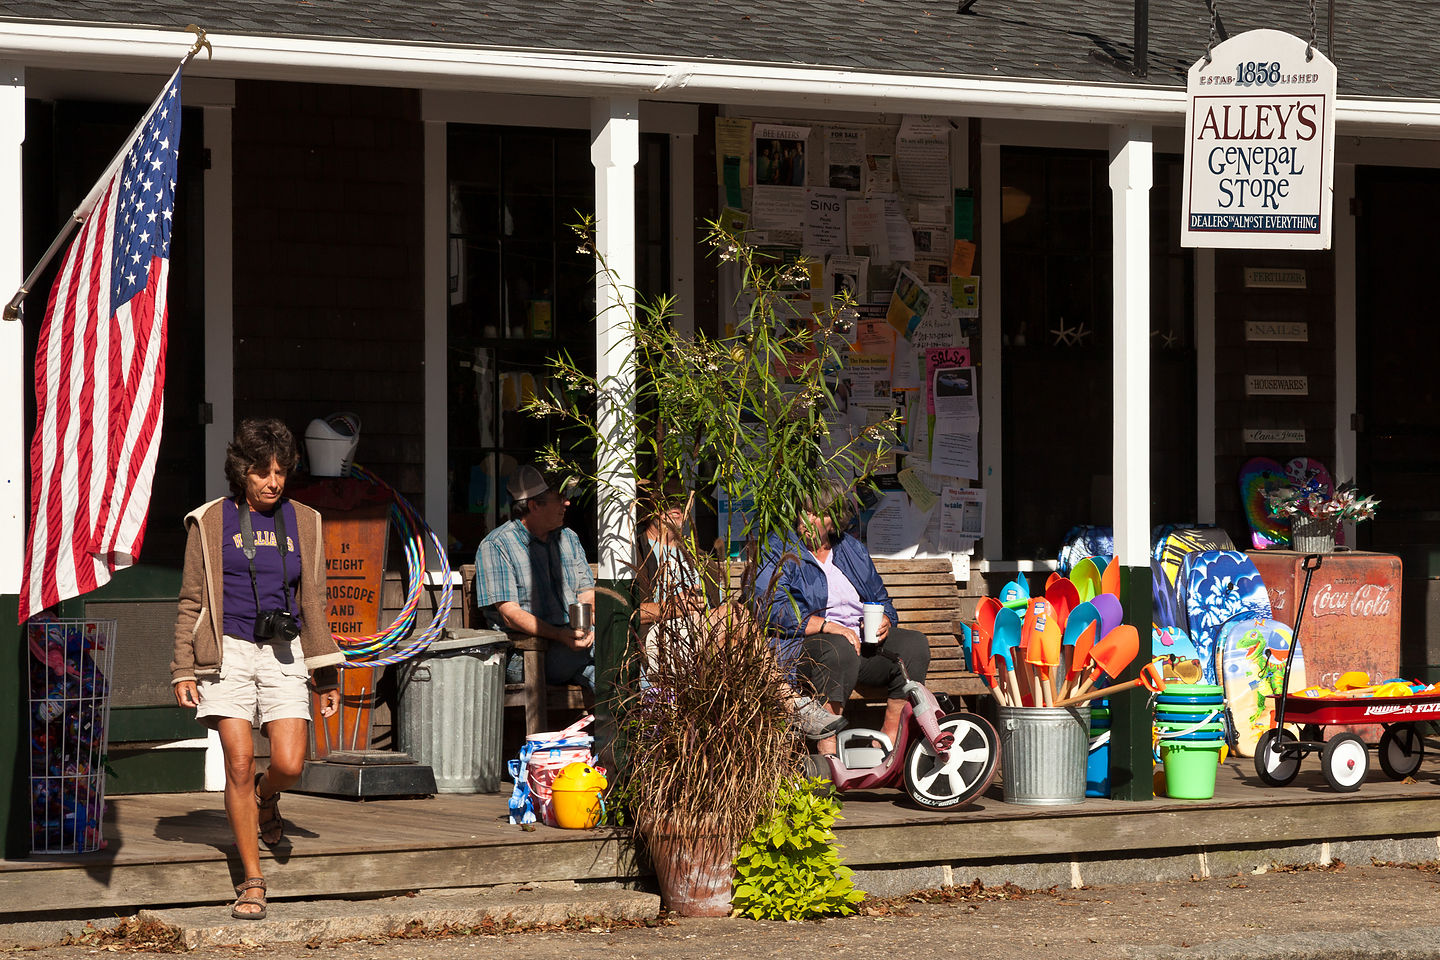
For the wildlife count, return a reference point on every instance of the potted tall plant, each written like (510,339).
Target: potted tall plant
(748,417)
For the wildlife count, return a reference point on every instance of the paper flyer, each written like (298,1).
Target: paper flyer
(879,174)
(778,209)
(779,154)
(962,512)
(844,158)
(732,139)
(935,359)
(922,155)
(965,295)
(824,222)
(868,376)
(908,303)
(914,485)
(848,275)
(955,399)
(865,229)
(895,528)
(962,258)
(899,236)
(954,452)
(905,371)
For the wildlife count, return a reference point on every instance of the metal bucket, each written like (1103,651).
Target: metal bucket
(451,711)
(1043,752)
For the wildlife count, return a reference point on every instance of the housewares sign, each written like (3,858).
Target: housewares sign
(1260,146)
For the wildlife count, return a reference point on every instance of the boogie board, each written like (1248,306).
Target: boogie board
(1168,641)
(1084,541)
(1217,586)
(1252,665)
(1175,546)
(1259,476)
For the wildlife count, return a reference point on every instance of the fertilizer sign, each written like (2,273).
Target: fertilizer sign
(1260,146)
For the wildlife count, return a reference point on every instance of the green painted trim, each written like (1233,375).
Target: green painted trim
(615,608)
(1131,755)
(137,724)
(142,582)
(14,734)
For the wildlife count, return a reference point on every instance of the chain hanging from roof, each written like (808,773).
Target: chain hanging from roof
(1310,47)
(1214,6)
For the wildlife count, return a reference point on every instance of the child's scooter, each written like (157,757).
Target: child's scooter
(944,759)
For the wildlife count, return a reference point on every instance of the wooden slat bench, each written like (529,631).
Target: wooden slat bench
(536,696)
(927,599)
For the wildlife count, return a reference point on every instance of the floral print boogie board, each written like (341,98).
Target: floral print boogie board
(1253,651)
(1214,587)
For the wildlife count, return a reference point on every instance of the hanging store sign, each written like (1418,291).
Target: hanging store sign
(1274,330)
(1275,278)
(1275,385)
(1274,435)
(1260,145)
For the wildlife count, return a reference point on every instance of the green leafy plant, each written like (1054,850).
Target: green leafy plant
(789,867)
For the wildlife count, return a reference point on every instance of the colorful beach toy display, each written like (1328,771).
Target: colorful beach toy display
(71,663)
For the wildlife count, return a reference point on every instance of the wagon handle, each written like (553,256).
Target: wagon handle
(1310,564)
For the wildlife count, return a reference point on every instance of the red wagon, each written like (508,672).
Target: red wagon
(1345,759)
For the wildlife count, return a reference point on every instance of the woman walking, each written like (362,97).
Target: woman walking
(250,630)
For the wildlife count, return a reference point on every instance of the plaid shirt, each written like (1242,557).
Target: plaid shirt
(543,576)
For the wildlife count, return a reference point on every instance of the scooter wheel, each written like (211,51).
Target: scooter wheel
(973,757)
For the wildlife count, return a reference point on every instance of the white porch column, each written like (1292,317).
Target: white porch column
(1131,173)
(14,462)
(615,149)
(219,296)
(437,307)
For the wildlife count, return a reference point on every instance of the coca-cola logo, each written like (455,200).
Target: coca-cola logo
(1366,600)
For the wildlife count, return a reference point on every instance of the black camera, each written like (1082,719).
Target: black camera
(277,624)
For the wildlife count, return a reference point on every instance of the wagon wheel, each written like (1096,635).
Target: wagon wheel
(1274,765)
(1345,761)
(1401,750)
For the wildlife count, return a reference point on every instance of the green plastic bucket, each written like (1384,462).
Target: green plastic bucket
(1190,767)
(1199,709)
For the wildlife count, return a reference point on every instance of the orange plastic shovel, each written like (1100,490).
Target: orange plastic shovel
(1110,578)
(1111,655)
(1041,635)
(1149,678)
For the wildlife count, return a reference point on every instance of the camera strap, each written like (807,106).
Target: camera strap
(247,544)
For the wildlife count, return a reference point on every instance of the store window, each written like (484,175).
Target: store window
(1057,349)
(520,293)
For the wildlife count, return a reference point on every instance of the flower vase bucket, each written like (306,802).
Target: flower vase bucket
(1312,534)
(693,866)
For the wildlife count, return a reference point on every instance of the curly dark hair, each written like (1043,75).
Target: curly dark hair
(257,442)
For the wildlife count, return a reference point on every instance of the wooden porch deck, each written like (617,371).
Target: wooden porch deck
(173,849)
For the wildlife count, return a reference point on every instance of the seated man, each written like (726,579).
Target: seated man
(529,571)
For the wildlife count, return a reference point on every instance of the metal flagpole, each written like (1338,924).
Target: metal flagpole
(83,211)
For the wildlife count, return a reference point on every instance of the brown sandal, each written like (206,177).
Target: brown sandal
(243,896)
(272,825)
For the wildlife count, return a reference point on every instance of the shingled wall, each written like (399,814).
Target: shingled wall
(329,306)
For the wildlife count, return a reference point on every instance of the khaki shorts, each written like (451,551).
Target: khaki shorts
(265,681)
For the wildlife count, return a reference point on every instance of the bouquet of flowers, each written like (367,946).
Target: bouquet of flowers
(1312,500)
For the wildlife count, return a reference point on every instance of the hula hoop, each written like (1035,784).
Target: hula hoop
(394,643)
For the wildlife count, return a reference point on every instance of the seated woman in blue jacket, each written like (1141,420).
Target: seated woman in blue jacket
(816,583)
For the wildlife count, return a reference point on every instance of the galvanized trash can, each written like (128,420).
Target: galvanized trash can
(452,707)
(1043,752)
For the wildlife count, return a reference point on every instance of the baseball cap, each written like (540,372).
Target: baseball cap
(526,483)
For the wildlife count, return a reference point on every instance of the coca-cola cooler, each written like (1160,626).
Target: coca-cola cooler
(1352,615)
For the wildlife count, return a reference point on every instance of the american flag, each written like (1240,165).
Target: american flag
(100,373)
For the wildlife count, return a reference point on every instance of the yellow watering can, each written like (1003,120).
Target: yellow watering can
(575,796)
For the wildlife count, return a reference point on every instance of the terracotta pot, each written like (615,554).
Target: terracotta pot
(694,868)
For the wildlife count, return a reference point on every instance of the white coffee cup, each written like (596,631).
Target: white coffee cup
(874,613)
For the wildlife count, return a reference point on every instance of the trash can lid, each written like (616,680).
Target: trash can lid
(462,638)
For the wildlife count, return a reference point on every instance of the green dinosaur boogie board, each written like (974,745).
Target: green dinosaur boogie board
(1252,652)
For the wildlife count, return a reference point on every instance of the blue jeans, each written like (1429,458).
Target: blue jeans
(562,665)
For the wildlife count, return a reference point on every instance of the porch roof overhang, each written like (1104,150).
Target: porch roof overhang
(744,83)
